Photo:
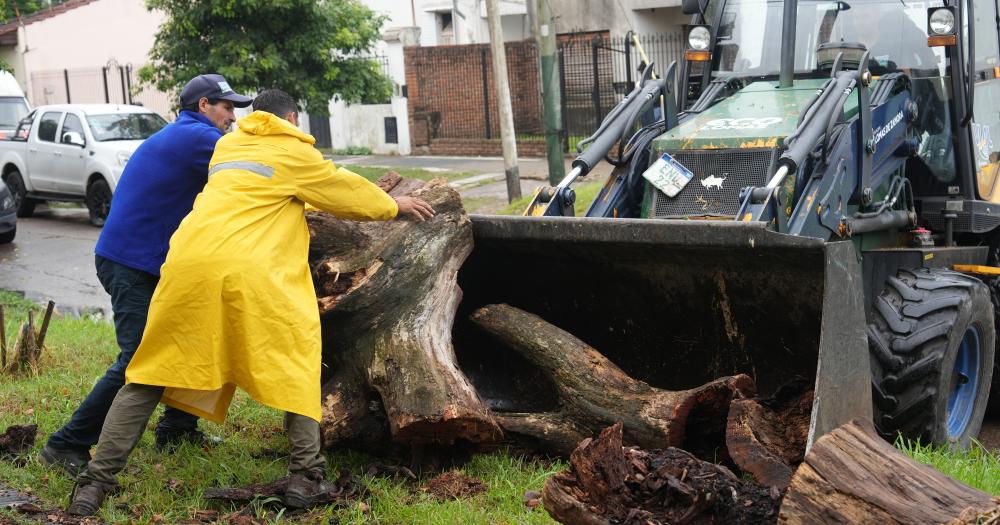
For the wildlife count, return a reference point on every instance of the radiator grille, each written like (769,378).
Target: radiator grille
(738,168)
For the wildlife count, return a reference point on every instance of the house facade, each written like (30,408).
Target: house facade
(65,50)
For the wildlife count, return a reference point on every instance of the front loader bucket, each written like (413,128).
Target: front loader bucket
(673,303)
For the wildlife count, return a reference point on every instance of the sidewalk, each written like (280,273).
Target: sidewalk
(529,168)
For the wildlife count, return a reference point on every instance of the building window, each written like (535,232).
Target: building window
(391,135)
(446,29)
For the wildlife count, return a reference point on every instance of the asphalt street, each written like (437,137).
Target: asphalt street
(52,257)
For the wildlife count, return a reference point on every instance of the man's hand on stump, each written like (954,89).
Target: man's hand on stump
(416,208)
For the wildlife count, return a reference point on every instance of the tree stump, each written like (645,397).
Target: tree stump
(388,295)
(852,476)
(594,393)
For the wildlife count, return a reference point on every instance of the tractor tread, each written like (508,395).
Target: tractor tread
(895,321)
(904,291)
(880,349)
(910,334)
(919,310)
(921,336)
(883,401)
(913,372)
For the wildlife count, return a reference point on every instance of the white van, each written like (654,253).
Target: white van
(13,105)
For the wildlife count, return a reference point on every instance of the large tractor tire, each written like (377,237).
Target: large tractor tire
(932,339)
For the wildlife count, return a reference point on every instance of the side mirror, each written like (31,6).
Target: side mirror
(74,138)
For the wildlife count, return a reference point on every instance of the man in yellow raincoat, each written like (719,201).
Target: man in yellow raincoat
(235,306)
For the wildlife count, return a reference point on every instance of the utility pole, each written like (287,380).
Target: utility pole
(503,101)
(545,33)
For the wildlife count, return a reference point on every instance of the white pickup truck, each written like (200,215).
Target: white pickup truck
(73,152)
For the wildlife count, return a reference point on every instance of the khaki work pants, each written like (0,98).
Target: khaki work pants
(130,413)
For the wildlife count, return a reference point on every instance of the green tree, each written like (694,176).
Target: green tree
(10,9)
(308,48)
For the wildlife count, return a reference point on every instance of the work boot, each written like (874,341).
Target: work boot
(70,461)
(302,488)
(168,441)
(86,500)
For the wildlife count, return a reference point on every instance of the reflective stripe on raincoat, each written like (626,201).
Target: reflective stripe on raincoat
(235,305)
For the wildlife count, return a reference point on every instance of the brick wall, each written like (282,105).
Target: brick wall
(445,87)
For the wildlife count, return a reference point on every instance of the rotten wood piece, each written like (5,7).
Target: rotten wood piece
(3,341)
(594,393)
(45,324)
(608,483)
(17,439)
(345,488)
(767,438)
(26,352)
(388,294)
(27,349)
(851,475)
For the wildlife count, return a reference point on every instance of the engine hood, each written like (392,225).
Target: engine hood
(758,116)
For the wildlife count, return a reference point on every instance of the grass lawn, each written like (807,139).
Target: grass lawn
(586,192)
(373,173)
(976,467)
(164,488)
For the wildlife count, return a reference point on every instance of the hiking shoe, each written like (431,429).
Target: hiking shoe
(300,490)
(169,441)
(86,500)
(70,461)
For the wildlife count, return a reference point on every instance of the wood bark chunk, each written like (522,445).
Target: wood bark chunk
(852,476)
(345,488)
(768,438)
(594,393)
(608,483)
(388,294)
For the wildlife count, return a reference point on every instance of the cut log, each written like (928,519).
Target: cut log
(852,476)
(767,438)
(607,483)
(388,295)
(594,393)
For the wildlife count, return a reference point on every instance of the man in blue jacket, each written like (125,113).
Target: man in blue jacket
(156,190)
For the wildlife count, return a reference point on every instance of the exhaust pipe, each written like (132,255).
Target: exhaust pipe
(787,71)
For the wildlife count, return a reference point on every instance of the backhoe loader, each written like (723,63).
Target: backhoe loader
(817,198)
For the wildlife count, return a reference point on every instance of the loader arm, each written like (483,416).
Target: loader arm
(834,168)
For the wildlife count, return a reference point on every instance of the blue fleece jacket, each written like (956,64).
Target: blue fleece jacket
(156,191)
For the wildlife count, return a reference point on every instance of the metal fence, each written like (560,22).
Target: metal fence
(596,71)
(112,84)
(452,97)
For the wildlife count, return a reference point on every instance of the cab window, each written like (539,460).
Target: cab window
(48,126)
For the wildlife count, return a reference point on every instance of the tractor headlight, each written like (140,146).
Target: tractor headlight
(941,21)
(699,38)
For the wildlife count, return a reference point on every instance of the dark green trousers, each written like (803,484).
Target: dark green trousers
(130,413)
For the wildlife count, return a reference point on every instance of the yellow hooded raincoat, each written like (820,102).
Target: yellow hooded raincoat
(235,305)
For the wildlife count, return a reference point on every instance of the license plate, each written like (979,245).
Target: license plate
(668,175)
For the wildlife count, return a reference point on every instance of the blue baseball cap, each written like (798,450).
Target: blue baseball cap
(211,86)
